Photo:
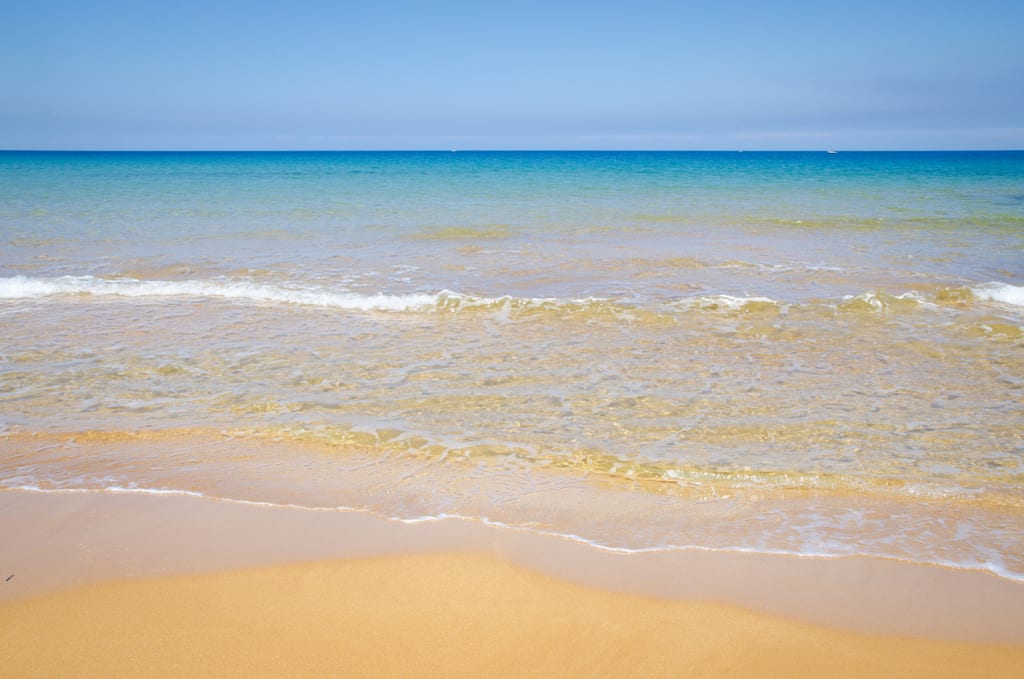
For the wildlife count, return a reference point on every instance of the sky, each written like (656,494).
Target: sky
(437,74)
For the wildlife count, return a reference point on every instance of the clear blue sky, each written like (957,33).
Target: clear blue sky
(728,74)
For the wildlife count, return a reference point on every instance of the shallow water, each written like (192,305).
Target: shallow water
(795,352)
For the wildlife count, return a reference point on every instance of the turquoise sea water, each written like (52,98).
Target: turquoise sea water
(799,352)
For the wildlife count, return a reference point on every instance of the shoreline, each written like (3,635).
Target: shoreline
(146,584)
(57,541)
(594,506)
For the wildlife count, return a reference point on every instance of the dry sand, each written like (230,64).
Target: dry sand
(140,585)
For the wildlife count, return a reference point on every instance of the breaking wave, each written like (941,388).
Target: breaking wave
(1000,292)
(26,288)
(21,287)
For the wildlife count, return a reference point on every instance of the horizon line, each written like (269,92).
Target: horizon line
(509,150)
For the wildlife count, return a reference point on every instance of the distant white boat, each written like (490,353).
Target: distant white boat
(831,151)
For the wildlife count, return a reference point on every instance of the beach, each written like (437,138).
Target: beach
(132,584)
(521,413)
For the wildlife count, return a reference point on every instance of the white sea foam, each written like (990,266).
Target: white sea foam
(882,301)
(115,489)
(25,287)
(723,302)
(22,287)
(1001,292)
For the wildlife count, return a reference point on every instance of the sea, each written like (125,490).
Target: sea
(802,353)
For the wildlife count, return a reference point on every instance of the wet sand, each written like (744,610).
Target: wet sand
(116,584)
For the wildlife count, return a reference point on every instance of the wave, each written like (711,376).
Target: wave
(728,303)
(24,288)
(1000,292)
(880,301)
(1003,293)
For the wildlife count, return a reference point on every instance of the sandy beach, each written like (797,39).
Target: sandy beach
(567,413)
(131,584)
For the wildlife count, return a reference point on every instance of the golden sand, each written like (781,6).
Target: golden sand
(115,585)
(438,615)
